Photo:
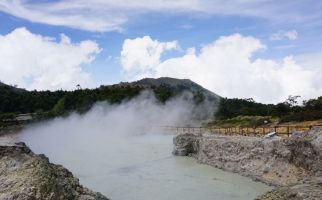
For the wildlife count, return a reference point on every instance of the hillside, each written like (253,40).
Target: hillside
(15,100)
(10,88)
(174,84)
(226,111)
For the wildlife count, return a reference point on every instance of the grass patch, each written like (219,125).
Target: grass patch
(244,121)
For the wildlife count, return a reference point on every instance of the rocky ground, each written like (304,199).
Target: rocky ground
(275,161)
(302,191)
(27,176)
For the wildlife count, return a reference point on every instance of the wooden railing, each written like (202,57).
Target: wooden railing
(281,130)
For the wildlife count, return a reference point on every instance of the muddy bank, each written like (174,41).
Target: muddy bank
(275,161)
(25,175)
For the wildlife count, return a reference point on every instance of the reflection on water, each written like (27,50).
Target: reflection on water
(141,167)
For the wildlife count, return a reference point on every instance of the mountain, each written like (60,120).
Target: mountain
(14,100)
(177,85)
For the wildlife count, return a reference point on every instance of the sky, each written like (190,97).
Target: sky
(260,49)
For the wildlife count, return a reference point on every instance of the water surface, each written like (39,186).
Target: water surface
(140,167)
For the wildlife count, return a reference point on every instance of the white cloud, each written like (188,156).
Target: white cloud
(111,15)
(38,62)
(227,68)
(141,55)
(280,35)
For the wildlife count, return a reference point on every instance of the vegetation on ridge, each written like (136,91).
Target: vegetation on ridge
(15,101)
(285,111)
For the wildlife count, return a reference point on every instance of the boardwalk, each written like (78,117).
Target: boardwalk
(281,130)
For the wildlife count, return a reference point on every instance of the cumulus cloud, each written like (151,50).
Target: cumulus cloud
(226,67)
(281,35)
(111,15)
(140,55)
(38,62)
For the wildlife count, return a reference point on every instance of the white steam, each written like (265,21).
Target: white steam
(143,114)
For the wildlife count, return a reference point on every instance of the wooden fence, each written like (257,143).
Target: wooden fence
(281,130)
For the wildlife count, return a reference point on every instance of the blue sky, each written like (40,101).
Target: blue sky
(289,34)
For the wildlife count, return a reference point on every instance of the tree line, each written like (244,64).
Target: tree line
(15,101)
(289,110)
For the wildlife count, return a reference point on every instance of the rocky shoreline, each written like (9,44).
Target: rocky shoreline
(293,165)
(295,162)
(28,176)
